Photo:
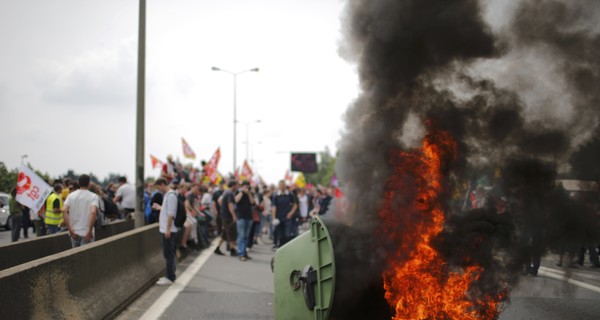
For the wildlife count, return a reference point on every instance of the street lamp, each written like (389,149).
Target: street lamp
(23,158)
(234,74)
(247,124)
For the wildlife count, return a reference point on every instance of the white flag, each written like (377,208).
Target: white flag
(32,191)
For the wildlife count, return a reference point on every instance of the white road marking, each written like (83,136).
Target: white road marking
(553,274)
(167,298)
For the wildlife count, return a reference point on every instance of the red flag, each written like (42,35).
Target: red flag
(246,172)
(211,166)
(155,162)
(187,150)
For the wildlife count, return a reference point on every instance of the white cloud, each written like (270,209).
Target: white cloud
(95,78)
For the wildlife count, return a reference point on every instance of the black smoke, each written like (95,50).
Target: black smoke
(436,62)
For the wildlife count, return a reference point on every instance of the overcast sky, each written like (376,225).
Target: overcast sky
(68,81)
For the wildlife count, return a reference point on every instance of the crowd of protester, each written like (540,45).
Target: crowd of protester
(78,207)
(239,212)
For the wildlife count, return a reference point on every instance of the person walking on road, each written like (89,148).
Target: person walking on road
(79,213)
(166,226)
(16,215)
(244,200)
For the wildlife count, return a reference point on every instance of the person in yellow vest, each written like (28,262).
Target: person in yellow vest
(54,205)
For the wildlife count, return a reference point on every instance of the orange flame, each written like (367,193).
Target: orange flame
(419,283)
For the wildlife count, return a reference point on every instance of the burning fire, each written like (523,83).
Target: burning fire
(419,283)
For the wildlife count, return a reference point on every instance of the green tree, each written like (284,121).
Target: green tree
(326,169)
(8,178)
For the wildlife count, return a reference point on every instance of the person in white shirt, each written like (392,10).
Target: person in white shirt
(166,226)
(79,213)
(125,198)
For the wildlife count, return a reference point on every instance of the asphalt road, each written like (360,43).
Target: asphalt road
(225,288)
(5,236)
(545,298)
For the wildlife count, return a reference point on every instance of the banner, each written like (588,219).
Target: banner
(289,178)
(187,150)
(211,167)
(155,162)
(300,181)
(246,172)
(32,191)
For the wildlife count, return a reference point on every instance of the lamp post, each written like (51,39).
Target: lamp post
(138,216)
(234,74)
(247,124)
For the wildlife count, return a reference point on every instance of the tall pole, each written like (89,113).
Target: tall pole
(247,140)
(234,74)
(140,140)
(234,122)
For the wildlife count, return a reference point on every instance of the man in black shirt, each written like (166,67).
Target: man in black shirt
(283,206)
(228,216)
(216,209)
(244,200)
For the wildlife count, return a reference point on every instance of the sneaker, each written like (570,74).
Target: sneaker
(163,281)
(219,252)
(233,252)
(247,257)
(242,258)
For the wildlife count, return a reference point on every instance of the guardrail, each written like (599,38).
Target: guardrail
(24,251)
(91,282)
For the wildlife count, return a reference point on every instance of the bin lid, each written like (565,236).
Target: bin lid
(309,255)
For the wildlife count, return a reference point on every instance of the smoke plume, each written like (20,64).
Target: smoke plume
(520,98)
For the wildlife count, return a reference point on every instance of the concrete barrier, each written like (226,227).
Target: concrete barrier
(20,252)
(91,282)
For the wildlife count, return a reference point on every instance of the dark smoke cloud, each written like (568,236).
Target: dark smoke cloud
(435,61)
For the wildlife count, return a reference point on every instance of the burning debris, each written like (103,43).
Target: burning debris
(476,98)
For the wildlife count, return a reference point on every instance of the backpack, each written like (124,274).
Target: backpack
(181,215)
(110,208)
(148,205)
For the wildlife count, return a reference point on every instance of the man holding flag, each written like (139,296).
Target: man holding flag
(31,191)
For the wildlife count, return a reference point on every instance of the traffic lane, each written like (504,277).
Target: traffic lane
(545,298)
(228,289)
(5,236)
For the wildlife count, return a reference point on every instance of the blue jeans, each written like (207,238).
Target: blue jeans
(52,229)
(80,242)
(283,232)
(169,254)
(243,231)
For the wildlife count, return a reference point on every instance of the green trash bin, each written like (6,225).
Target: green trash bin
(330,272)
